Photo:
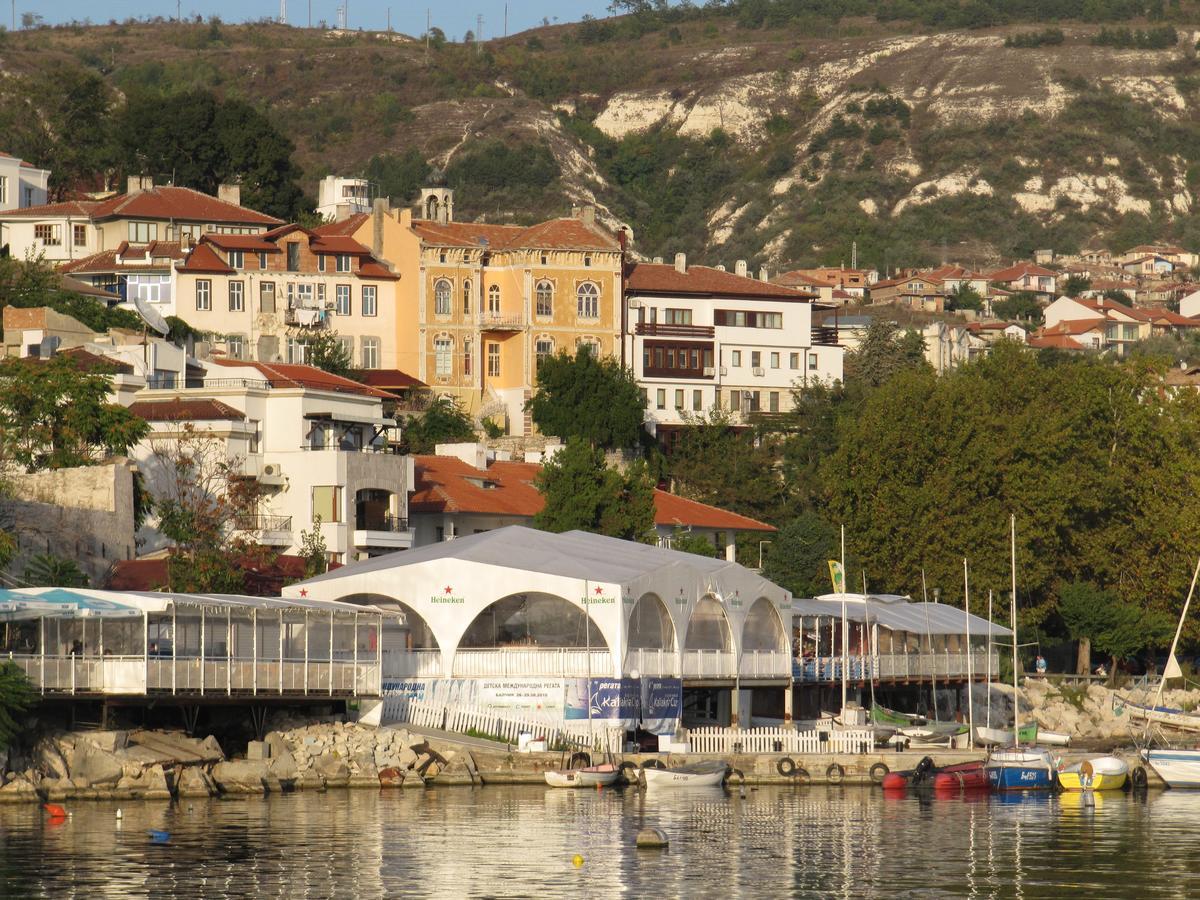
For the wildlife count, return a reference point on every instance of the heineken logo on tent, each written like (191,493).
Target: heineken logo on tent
(597,598)
(681,600)
(736,599)
(447,596)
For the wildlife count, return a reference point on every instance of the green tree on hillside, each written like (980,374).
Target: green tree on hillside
(799,553)
(583,493)
(444,422)
(964,297)
(398,175)
(718,464)
(1022,305)
(590,397)
(1099,618)
(884,352)
(1076,285)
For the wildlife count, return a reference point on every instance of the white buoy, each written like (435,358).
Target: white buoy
(120,815)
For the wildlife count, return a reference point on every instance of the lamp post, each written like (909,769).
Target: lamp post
(637,725)
(760,553)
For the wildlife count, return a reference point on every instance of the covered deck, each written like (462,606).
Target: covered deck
(81,643)
(889,639)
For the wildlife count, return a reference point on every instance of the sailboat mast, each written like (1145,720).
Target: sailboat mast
(929,643)
(845,631)
(970,673)
(1012,519)
(587,643)
(1175,642)
(989,661)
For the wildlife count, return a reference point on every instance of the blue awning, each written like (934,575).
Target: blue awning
(32,603)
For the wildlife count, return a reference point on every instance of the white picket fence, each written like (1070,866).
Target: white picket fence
(779,740)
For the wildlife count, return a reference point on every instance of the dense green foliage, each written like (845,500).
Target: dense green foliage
(48,570)
(1049,37)
(498,177)
(726,467)
(398,175)
(583,493)
(1111,625)
(323,350)
(32,283)
(444,422)
(797,557)
(53,415)
(589,397)
(16,697)
(1126,39)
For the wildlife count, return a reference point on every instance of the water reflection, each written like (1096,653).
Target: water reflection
(809,842)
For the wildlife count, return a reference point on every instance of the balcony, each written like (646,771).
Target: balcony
(895,667)
(520,662)
(412,663)
(382,532)
(490,321)
(824,336)
(306,316)
(653,329)
(270,531)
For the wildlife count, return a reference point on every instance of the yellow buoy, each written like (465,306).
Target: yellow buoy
(577,860)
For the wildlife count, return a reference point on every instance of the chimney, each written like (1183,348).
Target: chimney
(135,184)
(762,273)
(658,260)
(185,241)
(588,214)
(681,263)
(230,193)
(739,268)
(720,267)
(379,210)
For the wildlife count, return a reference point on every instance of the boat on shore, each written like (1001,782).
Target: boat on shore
(1028,734)
(591,776)
(697,774)
(1103,773)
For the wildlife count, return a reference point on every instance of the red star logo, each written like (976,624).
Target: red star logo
(449,590)
(599,591)
(303,592)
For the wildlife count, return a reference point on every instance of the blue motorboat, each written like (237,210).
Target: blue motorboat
(1021,770)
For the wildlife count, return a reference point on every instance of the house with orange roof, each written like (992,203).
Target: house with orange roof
(466,489)
(22,185)
(1027,277)
(1123,325)
(480,304)
(1150,265)
(318,448)
(70,230)
(920,292)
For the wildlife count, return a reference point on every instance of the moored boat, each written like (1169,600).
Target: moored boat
(698,774)
(1020,770)
(1178,768)
(1103,773)
(960,776)
(591,776)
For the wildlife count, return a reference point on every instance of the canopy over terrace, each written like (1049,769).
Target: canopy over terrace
(890,637)
(80,641)
(520,602)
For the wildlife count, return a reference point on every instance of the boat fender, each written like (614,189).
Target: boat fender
(802,775)
(628,771)
(580,757)
(1138,777)
(653,764)
(786,767)
(879,771)
(835,773)
(741,777)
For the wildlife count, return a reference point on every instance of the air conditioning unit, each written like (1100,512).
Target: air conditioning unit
(709,371)
(759,371)
(272,473)
(635,303)
(724,370)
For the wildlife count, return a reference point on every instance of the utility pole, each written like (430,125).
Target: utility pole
(478,31)
(427,37)
(282,12)
(310,13)
(506,20)
(389,20)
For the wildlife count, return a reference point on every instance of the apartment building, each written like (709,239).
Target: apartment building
(701,337)
(21,185)
(318,446)
(480,304)
(144,214)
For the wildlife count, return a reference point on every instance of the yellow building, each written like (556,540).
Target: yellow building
(478,305)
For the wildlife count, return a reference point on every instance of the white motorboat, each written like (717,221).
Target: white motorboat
(699,774)
(1178,768)
(583,778)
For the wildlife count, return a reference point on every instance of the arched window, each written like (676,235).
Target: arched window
(545,298)
(494,299)
(443,355)
(441,297)
(587,296)
(467,297)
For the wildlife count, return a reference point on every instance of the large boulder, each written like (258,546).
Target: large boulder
(95,766)
(110,741)
(154,783)
(240,776)
(49,759)
(334,770)
(19,790)
(277,743)
(284,767)
(192,782)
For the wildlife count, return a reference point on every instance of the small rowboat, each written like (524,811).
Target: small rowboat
(1021,770)
(583,778)
(961,776)
(700,774)
(1104,773)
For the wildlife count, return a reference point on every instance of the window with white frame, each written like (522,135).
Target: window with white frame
(342,299)
(443,356)
(493,360)
(79,235)
(660,398)
(343,262)
(49,235)
(468,359)
(494,299)
(545,299)
(3,190)
(735,358)
(370,305)
(237,296)
(203,294)
(143,232)
(697,400)
(191,231)
(346,342)
(774,360)
(370,353)
(467,297)
(297,351)
(235,344)
(237,259)
(793,360)
(441,297)
(587,297)
(812,362)
(543,347)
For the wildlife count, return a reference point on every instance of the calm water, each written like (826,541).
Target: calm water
(519,841)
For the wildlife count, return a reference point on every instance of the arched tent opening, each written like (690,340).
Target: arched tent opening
(532,620)
(708,628)
(650,626)
(410,648)
(763,629)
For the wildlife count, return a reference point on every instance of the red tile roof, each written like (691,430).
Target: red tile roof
(181,409)
(371,268)
(1160,316)
(204,260)
(81,208)
(291,375)
(447,484)
(337,243)
(85,361)
(264,577)
(167,202)
(106,260)
(346,226)
(554,234)
(1074,326)
(253,242)
(1055,342)
(388,379)
(658,278)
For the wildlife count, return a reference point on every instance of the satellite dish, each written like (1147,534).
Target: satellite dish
(151,316)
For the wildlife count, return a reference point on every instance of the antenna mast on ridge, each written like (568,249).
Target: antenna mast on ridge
(282,12)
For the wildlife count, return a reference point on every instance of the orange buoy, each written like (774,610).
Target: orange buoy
(54,810)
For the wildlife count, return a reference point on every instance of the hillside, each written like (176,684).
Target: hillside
(780,144)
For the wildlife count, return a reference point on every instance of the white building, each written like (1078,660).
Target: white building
(21,185)
(339,198)
(521,618)
(699,337)
(316,443)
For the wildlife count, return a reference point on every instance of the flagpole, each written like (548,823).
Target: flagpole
(1012,519)
(970,674)
(929,643)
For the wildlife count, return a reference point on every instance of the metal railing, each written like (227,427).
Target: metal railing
(824,336)
(381,523)
(516,662)
(654,329)
(894,666)
(171,383)
(502,321)
(263,523)
(409,663)
(708,664)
